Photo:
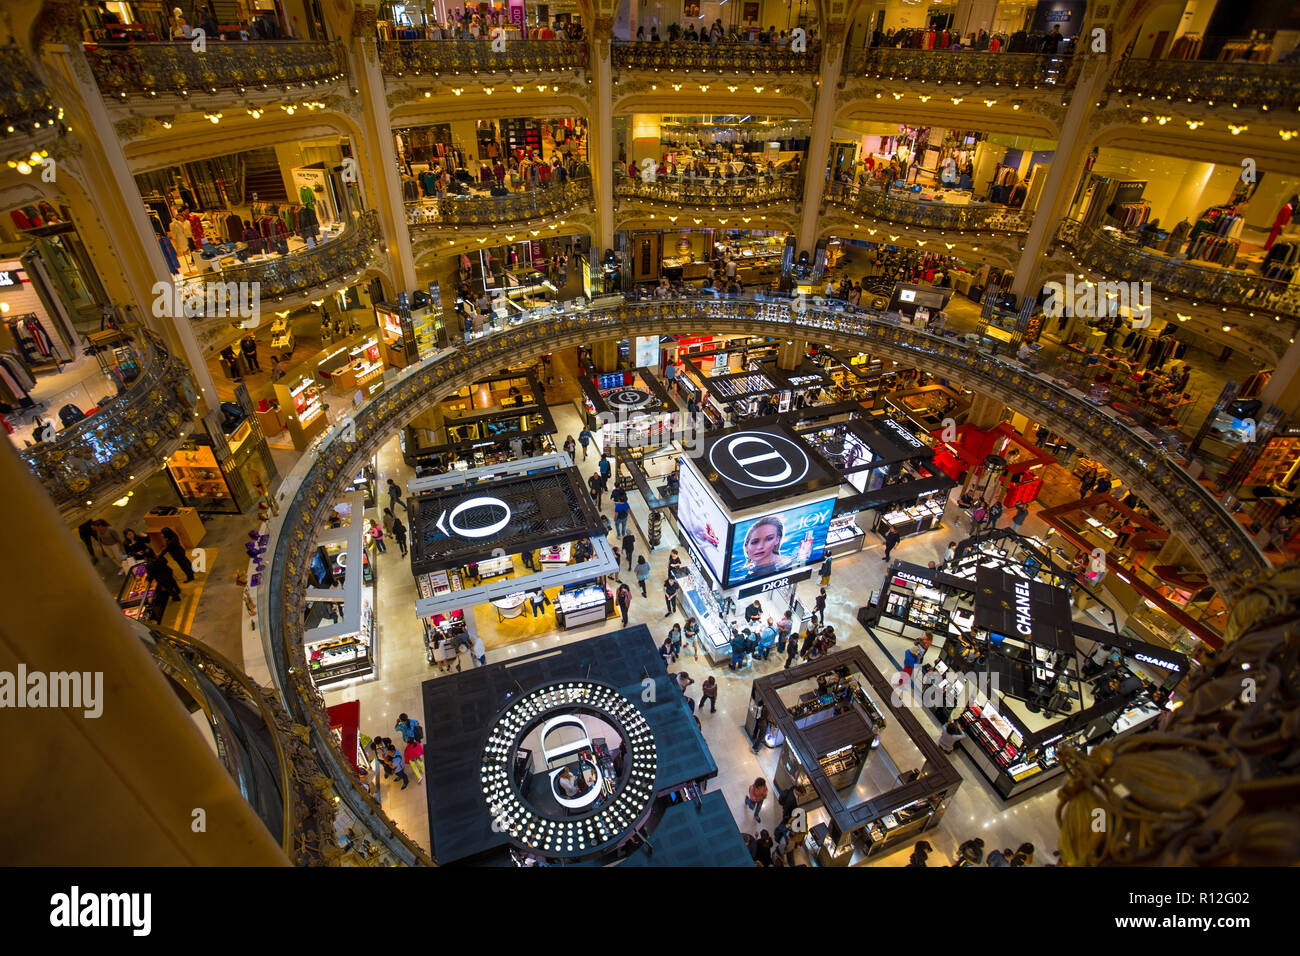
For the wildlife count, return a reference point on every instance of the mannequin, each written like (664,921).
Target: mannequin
(180,29)
(1283,217)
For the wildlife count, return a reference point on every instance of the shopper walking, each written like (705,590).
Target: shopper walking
(709,692)
(160,572)
(398,764)
(603,468)
(377,536)
(891,538)
(413,754)
(1019,515)
(570,446)
(826,570)
(173,549)
(529,562)
(994,513)
(791,651)
(387,519)
(671,590)
(623,598)
(399,534)
(755,797)
(642,572)
(110,539)
(479,651)
(783,629)
(409,728)
(621,510)
(585,438)
(819,606)
(1086,482)
(977,516)
(87,532)
(691,637)
(759,737)
(395,496)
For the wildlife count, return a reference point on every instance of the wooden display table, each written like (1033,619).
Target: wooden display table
(270,420)
(187,524)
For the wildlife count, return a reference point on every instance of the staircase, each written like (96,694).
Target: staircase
(262,176)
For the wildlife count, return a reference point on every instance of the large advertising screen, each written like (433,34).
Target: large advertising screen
(702,518)
(780,541)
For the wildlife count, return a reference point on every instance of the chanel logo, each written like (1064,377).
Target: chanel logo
(449,517)
(759,460)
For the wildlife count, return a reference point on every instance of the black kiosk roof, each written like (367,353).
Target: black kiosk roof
(456,526)
(754,466)
(1025,609)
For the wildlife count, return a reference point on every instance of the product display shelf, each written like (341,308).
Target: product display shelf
(582,604)
(342,658)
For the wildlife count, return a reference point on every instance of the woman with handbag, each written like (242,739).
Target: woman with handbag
(755,797)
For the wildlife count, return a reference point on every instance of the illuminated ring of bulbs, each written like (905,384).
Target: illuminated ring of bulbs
(580,835)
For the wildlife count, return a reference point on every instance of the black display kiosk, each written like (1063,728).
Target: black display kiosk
(828,733)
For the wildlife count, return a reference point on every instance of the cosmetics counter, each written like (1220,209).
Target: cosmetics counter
(364,370)
(140,598)
(303,410)
(924,514)
(342,658)
(706,606)
(585,603)
(845,535)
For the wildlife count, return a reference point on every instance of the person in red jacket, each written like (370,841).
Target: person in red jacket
(413,753)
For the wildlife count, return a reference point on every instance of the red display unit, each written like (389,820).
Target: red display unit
(972,445)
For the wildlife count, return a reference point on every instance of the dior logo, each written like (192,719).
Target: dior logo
(759,460)
(449,517)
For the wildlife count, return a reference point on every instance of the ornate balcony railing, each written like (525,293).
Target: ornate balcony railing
(24,99)
(398,57)
(970,67)
(1108,251)
(971,217)
(499,210)
(1274,85)
(723,58)
(125,436)
(125,68)
(309,269)
(745,191)
(1224,547)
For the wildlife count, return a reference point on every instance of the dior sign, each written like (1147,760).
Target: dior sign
(761,460)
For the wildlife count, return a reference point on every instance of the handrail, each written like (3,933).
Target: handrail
(321,475)
(724,57)
(127,434)
(308,269)
(971,217)
(734,192)
(174,67)
(24,99)
(398,57)
(1232,83)
(1107,250)
(976,67)
(172,649)
(495,210)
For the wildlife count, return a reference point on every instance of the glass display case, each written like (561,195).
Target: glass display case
(138,598)
(580,604)
(925,515)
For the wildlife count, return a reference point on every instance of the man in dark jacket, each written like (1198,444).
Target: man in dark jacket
(160,572)
(891,538)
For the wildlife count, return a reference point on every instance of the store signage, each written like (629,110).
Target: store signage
(446,522)
(913,578)
(902,432)
(774,584)
(797,380)
(762,460)
(1024,620)
(1158,662)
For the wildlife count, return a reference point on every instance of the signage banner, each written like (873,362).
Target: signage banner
(779,541)
(762,587)
(701,517)
(1024,609)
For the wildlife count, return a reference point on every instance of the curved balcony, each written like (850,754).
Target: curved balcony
(454,211)
(25,101)
(1224,547)
(398,57)
(1109,252)
(971,217)
(706,58)
(149,68)
(301,272)
(1240,83)
(970,67)
(130,433)
(733,193)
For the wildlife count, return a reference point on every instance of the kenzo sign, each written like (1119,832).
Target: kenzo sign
(446,522)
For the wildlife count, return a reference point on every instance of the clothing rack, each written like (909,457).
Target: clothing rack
(36,347)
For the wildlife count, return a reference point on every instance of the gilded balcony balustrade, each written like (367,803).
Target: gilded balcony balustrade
(969,217)
(726,57)
(124,69)
(1240,83)
(400,57)
(499,210)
